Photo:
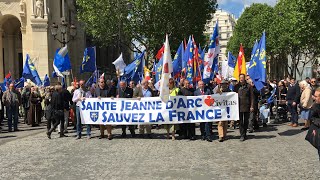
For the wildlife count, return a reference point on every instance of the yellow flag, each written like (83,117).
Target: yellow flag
(240,67)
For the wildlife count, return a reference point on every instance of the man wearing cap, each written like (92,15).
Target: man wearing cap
(223,125)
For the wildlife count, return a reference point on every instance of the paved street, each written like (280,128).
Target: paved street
(275,152)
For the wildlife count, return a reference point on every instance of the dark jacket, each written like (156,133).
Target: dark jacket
(245,95)
(25,98)
(206,91)
(293,94)
(102,92)
(127,93)
(67,99)
(315,114)
(112,91)
(57,102)
(186,92)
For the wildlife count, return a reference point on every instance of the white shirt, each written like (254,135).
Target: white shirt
(77,95)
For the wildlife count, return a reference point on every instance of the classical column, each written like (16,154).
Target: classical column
(32,11)
(45,9)
(1,57)
(62,9)
(10,65)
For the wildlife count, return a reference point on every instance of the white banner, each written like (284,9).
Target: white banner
(179,109)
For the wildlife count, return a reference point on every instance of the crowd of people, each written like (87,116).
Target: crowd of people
(60,106)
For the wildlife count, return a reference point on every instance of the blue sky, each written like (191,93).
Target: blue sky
(236,7)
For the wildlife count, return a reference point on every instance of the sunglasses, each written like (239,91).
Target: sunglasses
(313,81)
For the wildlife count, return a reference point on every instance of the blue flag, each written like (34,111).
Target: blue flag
(46,81)
(3,86)
(30,72)
(257,68)
(54,74)
(177,61)
(89,60)
(134,71)
(158,70)
(20,83)
(61,62)
(63,82)
(231,60)
(211,61)
(188,56)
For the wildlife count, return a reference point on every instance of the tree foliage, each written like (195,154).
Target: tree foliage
(293,36)
(146,21)
(254,20)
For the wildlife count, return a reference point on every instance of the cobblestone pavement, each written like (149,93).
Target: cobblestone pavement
(275,152)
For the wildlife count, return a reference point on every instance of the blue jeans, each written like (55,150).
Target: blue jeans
(205,129)
(79,128)
(12,112)
(294,113)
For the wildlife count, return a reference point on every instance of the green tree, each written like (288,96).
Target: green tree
(249,28)
(295,34)
(146,21)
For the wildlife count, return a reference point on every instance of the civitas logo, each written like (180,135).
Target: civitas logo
(209,101)
(94,116)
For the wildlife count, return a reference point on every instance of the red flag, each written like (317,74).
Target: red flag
(160,53)
(8,76)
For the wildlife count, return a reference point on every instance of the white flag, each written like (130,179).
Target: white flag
(120,65)
(166,72)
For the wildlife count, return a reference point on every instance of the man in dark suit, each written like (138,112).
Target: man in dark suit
(57,103)
(126,92)
(246,104)
(67,101)
(187,130)
(293,99)
(205,127)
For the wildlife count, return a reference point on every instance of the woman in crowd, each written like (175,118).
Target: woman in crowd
(305,103)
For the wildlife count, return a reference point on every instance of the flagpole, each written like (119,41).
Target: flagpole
(95,57)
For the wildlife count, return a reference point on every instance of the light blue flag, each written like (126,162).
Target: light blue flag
(61,62)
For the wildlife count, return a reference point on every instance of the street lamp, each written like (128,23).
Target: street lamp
(63,30)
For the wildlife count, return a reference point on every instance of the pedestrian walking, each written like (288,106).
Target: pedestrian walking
(12,100)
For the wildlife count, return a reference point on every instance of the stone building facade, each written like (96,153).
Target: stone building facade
(25,28)
(226,22)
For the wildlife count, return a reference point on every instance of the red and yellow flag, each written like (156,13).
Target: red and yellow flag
(241,64)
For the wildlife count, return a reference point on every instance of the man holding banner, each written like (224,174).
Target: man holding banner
(146,91)
(205,127)
(126,92)
(187,130)
(102,92)
(78,97)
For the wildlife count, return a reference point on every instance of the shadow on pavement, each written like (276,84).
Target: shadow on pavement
(10,136)
(290,132)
